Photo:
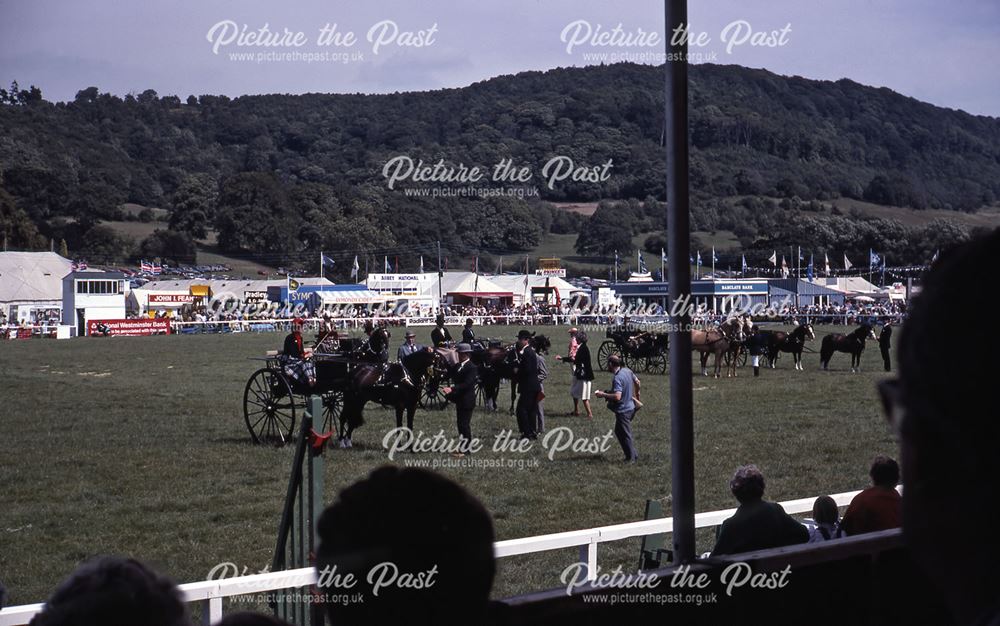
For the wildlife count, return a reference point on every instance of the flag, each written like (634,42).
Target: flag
(699,257)
(847,263)
(873,258)
(642,264)
(326,260)
(355,267)
(293,285)
(934,258)
(826,263)
(386,265)
(421,264)
(809,268)
(156,269)
(801,257)
(784,267)
(744,267)
(618,263)
(663,256)
(145,267)
(774,258)
(715,259)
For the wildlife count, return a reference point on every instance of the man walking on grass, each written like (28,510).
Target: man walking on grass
(621,401)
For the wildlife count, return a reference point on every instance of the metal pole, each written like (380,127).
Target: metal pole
(440,279)
(678,230)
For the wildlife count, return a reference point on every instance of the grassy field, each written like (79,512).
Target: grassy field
(137,446)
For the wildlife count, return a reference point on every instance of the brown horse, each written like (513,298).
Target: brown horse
(854,344)
(719,341)
(779,341)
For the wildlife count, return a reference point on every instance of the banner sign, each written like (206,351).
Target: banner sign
(129,328)
(254,297)
(558,273)
(170,298)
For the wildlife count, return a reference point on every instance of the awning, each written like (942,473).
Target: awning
(482,294)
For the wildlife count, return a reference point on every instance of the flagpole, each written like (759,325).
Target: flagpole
(321,264)
(440,278)
(713,262)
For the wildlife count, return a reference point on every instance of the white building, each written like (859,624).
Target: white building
(31,284)
(92,296)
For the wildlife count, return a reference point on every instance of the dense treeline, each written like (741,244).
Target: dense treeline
(287,173)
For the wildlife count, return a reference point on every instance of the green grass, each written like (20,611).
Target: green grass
(137,446)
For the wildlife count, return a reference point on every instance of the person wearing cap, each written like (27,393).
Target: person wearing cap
(296,364)
(528,386)
(440,335)
(583,372)
(409,346)
(462,392)
(621,401)
(468,335)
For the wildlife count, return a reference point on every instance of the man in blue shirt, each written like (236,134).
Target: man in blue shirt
(621,401)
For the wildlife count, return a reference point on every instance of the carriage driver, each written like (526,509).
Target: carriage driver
(440,335)
(296,363)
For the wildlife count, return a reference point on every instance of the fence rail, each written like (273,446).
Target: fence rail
(211,592)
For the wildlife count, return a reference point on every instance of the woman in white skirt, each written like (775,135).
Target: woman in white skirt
(583,374)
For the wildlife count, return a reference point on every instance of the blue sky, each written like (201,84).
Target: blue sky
(943,53)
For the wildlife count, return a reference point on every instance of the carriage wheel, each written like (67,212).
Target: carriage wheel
(269,407)
(741,360)
(657,364)
(607,349)
(333,405)
(432,398)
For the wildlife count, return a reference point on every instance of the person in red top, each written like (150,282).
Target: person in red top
(880,507)
(296,362)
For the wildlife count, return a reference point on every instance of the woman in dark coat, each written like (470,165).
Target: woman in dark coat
(583,374)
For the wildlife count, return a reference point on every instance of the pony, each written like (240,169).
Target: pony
(398,386)
(779,341)
(854,344)
(719,341)
(497,364)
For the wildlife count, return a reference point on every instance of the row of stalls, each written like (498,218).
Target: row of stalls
(722,295)
(423,291)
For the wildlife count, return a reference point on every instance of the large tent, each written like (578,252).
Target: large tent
(30,281)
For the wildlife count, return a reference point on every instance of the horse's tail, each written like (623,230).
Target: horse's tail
(826,350)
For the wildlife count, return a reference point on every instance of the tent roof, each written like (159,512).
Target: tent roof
(32,276)
(515,283)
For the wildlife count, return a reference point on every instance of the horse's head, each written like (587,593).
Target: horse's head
(541,344)
(810,335)
(732,328)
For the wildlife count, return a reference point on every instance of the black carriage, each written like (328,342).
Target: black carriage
(640,351)
(272,398)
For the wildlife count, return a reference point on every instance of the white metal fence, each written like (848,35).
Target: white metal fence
(209,593)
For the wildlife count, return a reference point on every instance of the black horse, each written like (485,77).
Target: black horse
(497,364)
(853,344)
(779,341)
(399,387)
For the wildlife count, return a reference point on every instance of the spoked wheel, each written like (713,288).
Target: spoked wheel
(657,364)
(607,349)
(431,397)
(333,405)
(269,407)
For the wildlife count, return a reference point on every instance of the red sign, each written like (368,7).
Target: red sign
(129,328)
(170,298)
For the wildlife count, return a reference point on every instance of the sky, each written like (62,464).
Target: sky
(945,53)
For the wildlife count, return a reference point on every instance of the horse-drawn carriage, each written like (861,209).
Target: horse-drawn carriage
(641,351)
(272,398)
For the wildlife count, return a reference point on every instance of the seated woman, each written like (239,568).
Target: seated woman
(296,363)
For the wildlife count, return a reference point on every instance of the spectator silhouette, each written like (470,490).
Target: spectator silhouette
(879,506)
(757,524)
(113,591)
(944,409)
(825,515)
(419,522)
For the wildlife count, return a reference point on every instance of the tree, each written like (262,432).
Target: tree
(168,244)
(63,249)
(16,228)
(102,244)
(193,205)
(254,215)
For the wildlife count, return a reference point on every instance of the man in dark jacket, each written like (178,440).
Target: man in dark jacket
(468,335)
(440,335)
(583,374)
(885,344)
(527,386)
(757,346)
(463,393)
(757,524)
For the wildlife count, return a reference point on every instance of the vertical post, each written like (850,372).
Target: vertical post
(314,495)
(588,556)
(678,230)
(440,279)
(321,264)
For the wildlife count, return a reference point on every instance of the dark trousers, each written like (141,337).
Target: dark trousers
(464,427)
(527,413)
(885,358)
(623,431)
